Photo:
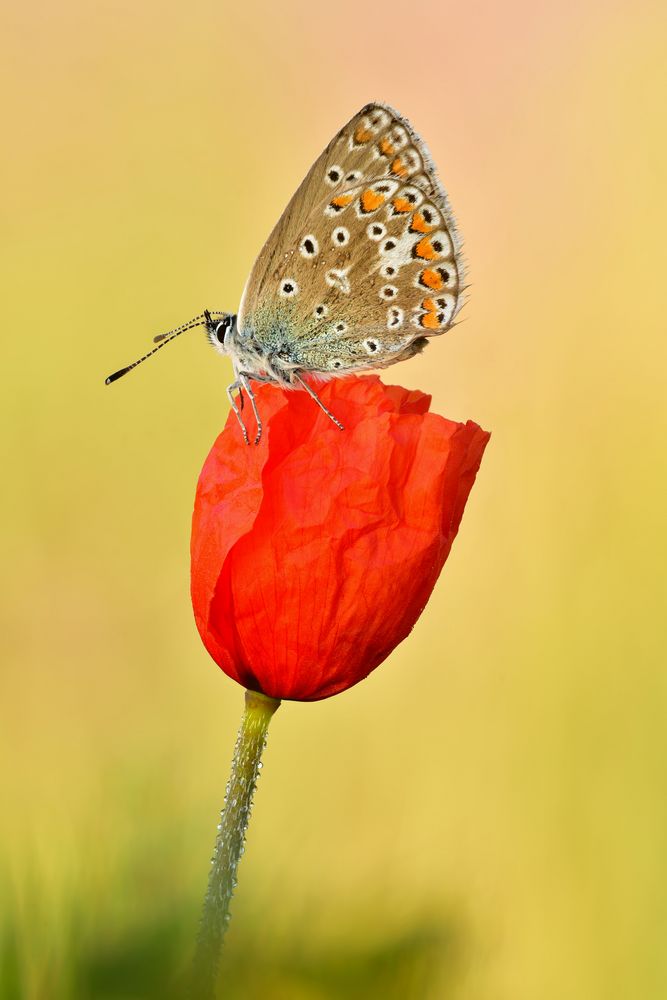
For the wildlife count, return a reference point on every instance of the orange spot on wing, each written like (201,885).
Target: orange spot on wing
(401,205)
(342,200)
(424,249)
(430,321)
(370,200)
(419,224)
(386,147)
(429,305)
(431,279)
(362,134)
(398,167)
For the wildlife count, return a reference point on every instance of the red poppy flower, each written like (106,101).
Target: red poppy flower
(314,553)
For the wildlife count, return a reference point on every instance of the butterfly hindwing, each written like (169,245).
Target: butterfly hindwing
(364,263)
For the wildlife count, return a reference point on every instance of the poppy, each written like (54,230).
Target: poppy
(315,552)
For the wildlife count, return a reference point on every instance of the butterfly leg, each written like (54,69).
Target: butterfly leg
(245,384)
(313,395)
(231,389)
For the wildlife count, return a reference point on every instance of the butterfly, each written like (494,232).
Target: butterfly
(361,269)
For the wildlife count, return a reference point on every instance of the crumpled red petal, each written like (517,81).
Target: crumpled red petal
(314,553)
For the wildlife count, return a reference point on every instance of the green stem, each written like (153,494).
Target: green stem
(229,844)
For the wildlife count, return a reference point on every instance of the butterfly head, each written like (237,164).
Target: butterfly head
(220,329)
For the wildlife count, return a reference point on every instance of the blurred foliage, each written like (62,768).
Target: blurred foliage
(151,959)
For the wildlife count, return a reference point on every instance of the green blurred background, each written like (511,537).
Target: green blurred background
(485,817)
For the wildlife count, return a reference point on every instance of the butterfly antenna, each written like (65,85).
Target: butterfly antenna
(161,340)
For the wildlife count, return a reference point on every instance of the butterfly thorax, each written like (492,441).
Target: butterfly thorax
(262,348)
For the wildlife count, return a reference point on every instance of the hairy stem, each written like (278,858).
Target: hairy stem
(229,843)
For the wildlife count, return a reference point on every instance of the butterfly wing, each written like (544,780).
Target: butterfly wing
(365,261)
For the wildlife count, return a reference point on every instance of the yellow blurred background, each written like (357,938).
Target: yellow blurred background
(484,818)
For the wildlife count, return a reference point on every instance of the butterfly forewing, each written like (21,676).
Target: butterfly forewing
(365,262)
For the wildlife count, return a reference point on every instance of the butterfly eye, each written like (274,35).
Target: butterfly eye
(222,329)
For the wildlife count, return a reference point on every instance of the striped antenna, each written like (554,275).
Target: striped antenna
(161,340)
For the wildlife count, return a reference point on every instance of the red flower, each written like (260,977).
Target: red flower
(314,553)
